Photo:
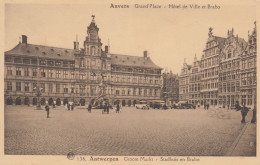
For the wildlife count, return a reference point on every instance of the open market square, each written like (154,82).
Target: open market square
(132,132)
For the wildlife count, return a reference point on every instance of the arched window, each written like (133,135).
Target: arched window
(92,50)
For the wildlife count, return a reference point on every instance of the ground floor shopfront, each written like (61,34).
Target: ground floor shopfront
(81,101)
(210,98)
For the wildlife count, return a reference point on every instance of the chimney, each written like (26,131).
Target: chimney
(24,39)
(145,54)
(76,44)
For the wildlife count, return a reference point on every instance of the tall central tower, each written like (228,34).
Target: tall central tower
(92,44)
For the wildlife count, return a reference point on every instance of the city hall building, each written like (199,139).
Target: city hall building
(78,75)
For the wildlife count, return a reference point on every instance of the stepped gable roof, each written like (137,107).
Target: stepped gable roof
(221,41)
(42,51)
(136,61)
(242,41)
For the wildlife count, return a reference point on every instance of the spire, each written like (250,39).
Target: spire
(195,58)
(76,43)
(210,32)
(93,18)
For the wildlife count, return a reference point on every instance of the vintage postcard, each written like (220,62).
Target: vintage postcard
(129,82)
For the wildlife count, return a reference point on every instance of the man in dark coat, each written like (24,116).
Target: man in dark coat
(104,108)
(117,108)
(254,115)
(89,108)
(107,106)
(244,112)
(47,108)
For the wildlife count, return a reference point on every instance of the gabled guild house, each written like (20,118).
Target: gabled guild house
(78,75)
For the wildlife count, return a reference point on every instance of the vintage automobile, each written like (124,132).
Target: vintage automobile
(142,105)
(157,104)
(183,105)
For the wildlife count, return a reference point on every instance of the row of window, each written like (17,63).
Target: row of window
(229,87)
(209,62)
(137,92)
(230,64)
(137,70)
(34,61)
(250,63)
(93,90)
(82,76)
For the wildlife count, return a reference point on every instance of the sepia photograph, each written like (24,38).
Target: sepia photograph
(130,82)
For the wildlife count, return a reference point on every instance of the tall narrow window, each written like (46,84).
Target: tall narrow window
(18,86)
(18,71)
(26,86)
(9,71)
(9,86)
(26,72)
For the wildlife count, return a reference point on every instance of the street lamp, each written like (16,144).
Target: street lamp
(38,94)
(37,88)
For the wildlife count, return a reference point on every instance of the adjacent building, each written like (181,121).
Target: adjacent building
(229,72)
(79,74)
(226,73)
(194,83)
(184,82)
(209,69)
(170,88)
(248,71)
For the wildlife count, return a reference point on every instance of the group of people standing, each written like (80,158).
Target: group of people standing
(206,106)
(69,106)
(106,108)
(244,111)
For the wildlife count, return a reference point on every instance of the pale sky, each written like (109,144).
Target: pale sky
(169,35)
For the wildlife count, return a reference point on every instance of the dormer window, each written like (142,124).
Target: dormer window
(36,48)
(43,53)
(52,49)
(58,54)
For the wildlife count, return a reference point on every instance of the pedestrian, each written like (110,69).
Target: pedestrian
(228,106)
(107,106)
(53,105)
(47,108)
(68,106)
(205,106)
(117,108)
(254,115)
(89,108)
(72,106)
(28,104)
(244,112)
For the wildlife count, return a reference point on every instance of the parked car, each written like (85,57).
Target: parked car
(156,104)
(141,106)
(183,105)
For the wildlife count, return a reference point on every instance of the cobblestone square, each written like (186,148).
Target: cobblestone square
(131,132)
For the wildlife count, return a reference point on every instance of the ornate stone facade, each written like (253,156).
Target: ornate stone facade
(194,85)
(184,82)
(248,71)
(170,88)
(210,68)
(78,75)
(229,72)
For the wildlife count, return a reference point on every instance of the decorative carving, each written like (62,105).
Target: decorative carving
(210,32)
